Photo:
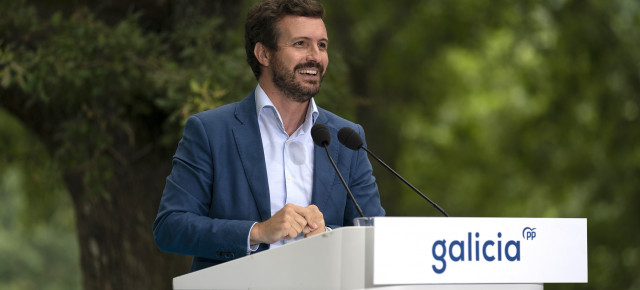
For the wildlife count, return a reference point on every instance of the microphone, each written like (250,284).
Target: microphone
(350,139)
(322,137)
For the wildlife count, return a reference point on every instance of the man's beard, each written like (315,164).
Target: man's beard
(292,89)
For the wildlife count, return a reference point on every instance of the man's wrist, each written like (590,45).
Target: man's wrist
(251,248)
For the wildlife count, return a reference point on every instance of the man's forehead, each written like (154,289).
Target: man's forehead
(292,26)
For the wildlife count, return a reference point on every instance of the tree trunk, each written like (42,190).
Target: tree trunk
(114,229)
(114,226)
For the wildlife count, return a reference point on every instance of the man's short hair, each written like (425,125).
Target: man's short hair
(261,24)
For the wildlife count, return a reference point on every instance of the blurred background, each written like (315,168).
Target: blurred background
(492,108)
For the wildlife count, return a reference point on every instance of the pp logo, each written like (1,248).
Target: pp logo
(529,233)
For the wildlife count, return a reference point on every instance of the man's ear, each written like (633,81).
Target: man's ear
(262,54)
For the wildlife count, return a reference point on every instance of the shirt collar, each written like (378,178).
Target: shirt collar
(263,101)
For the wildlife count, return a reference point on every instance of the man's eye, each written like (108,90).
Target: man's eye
(322,45)
(299,43)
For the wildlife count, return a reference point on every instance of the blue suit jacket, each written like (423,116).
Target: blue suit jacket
(218,185)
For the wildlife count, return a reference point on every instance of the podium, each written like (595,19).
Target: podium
(345,258)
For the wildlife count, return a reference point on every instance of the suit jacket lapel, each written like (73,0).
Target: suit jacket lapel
(249,143)
(323,172)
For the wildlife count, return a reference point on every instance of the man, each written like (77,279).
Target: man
(247,176)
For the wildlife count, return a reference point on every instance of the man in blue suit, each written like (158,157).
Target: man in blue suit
(247,176)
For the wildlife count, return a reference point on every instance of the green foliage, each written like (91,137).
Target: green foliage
(37,178)
(38,243)
(500,108)
(101,84)
(194,80)
(523,108)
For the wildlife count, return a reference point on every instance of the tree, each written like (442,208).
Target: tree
(496,108)
(393,50)
(37,239)
(107,100)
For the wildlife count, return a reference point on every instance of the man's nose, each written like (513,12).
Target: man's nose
(313,53)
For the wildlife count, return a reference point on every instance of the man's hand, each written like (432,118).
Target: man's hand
(287,223)
(316,224)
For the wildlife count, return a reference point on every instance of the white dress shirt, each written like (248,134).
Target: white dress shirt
(289,159)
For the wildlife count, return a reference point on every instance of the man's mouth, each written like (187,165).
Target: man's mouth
(308,71)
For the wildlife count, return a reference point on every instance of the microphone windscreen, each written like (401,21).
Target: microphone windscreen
(320,134)
(349,138)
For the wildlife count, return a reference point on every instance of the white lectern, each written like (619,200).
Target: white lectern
(344,259)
